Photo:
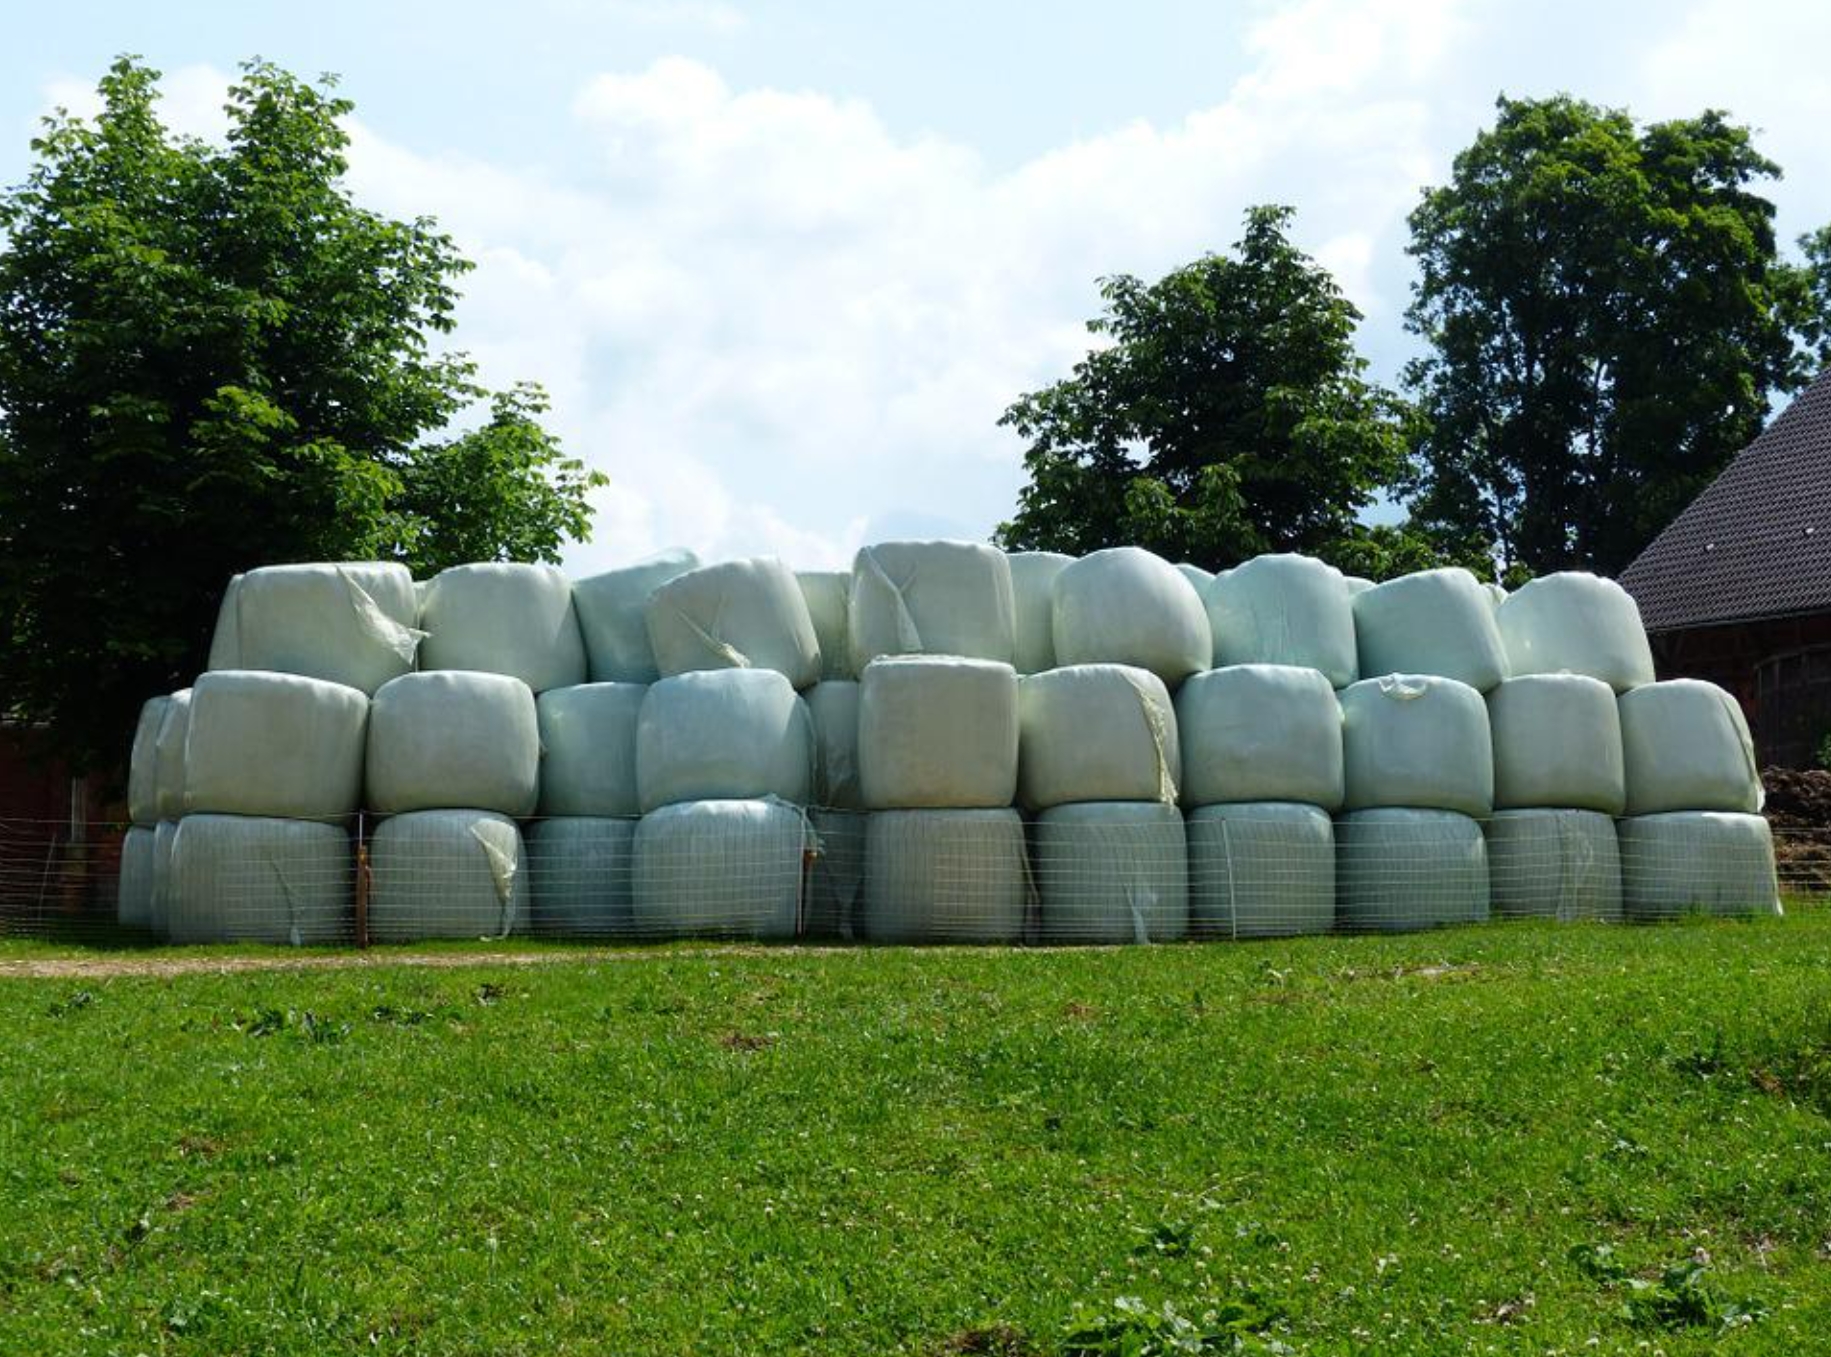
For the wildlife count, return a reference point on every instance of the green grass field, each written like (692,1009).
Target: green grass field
(1509,1139)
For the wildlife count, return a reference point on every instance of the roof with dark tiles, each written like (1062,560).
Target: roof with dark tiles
(1757,543)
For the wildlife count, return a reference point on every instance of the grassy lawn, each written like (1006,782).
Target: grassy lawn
(1508,1139)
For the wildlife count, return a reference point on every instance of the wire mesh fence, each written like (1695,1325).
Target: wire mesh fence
(1098,873)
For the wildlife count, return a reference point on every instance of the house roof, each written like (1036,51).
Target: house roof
(1757,542)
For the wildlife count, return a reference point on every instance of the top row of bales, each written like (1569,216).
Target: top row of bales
(362,624)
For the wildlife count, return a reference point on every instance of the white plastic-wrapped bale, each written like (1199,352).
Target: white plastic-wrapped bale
(1260,732)
(168,762)
(833,705)
(447,874)
(226,639)
(588,749)
(1112,871)
(723,735)
(274,745)
(1577,623)
(613,616)
(1554,864)
(746,614)
(1690,862)
(931,598)
(1357,584)
(1261,869)
(581,874)
(836,885)
(1401,869)
(243,878)
(1126,606)
(165,834)
(511,619)
(143,764)
(1416,740)
(1687,747)
(352,622)
(1096,732)
(1033,607)
(454,740)
(720,868)
(1284,609)
(1200,578)
(827,594)
(134,893)
(1557,744)
(1434,622)
(1497,596)
(937,733)
(945,876)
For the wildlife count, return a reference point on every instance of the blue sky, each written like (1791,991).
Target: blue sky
(782,265)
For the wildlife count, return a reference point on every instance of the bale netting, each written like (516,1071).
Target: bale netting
(1096,732)
(1111,872)
(447,874)
(1288,610)
(931,598)
(937,733)
(1554,864)
(945,876)
(134,897)
(454,740)
(1557,743)
(239,878)
(723,735)
(1399,869)
(1261,869)
(1697,862)
(581,872)
(1260,732)
(612,610)
(494,618)
(729,868)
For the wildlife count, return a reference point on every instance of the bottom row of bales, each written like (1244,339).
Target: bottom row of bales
(1088,873)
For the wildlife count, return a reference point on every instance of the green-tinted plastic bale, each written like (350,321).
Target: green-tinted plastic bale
(612,610)
(1686,746)
(1557,744)
(945,876)
(165,833)
(588,749)
(723,735)
(1260,732)
(931,598)
(836,889)
(1261,869)
(134,897)
(348,622)
(1416,740)
(274,745)
(1575,623)
(1033,607)
(1111,872)
(1124,605)
(935,732)
(581,873)
(833,705)
(143,764)
(1284,609)
(826,593)
(1697,862)
(168,759)
(747,614)
(1433,622)
(1554,864)
(454,740)
(1397,870)
(724,869)
(241,878)
(1096,732)
(447,874)
(504,618)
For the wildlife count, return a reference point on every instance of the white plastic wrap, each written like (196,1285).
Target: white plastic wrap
(134,897)
(239,878)
(454,740)
(581,871)
(1687,747)
(1033,607)
(351,622)
(1416,740)
(1284,609)
(588,749)
(827,594)
(724,868)
(447,874)
(1126,606)
(274,745)
(1096,732)
(1692,862)
(1557,743)
(1357,584)
(1260,732)
(1261,869)
(723,735)
(833,705)
(1111,872)
(226,639)
(937,733)
(1554,864)
(1200,578)
(494,618)
(945,876)
(1434,622)
(735,615)
(931,598)
(1399,869)
(143,764)
(168,762)
(165,834)
(1577,623)
(836,886)
(613,616)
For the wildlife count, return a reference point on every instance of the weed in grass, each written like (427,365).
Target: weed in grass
(1131,1328)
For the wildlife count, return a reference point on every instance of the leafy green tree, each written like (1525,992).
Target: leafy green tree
(1226,414)
(211,358)
(1608,321)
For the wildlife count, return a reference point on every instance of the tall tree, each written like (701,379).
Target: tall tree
(1226,413)
(1608,320)
(211,358)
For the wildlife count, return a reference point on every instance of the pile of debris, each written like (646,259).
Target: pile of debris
(1799,809)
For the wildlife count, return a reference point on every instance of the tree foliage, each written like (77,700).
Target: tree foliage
(1608,321)
(211,358)
(1224,414)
